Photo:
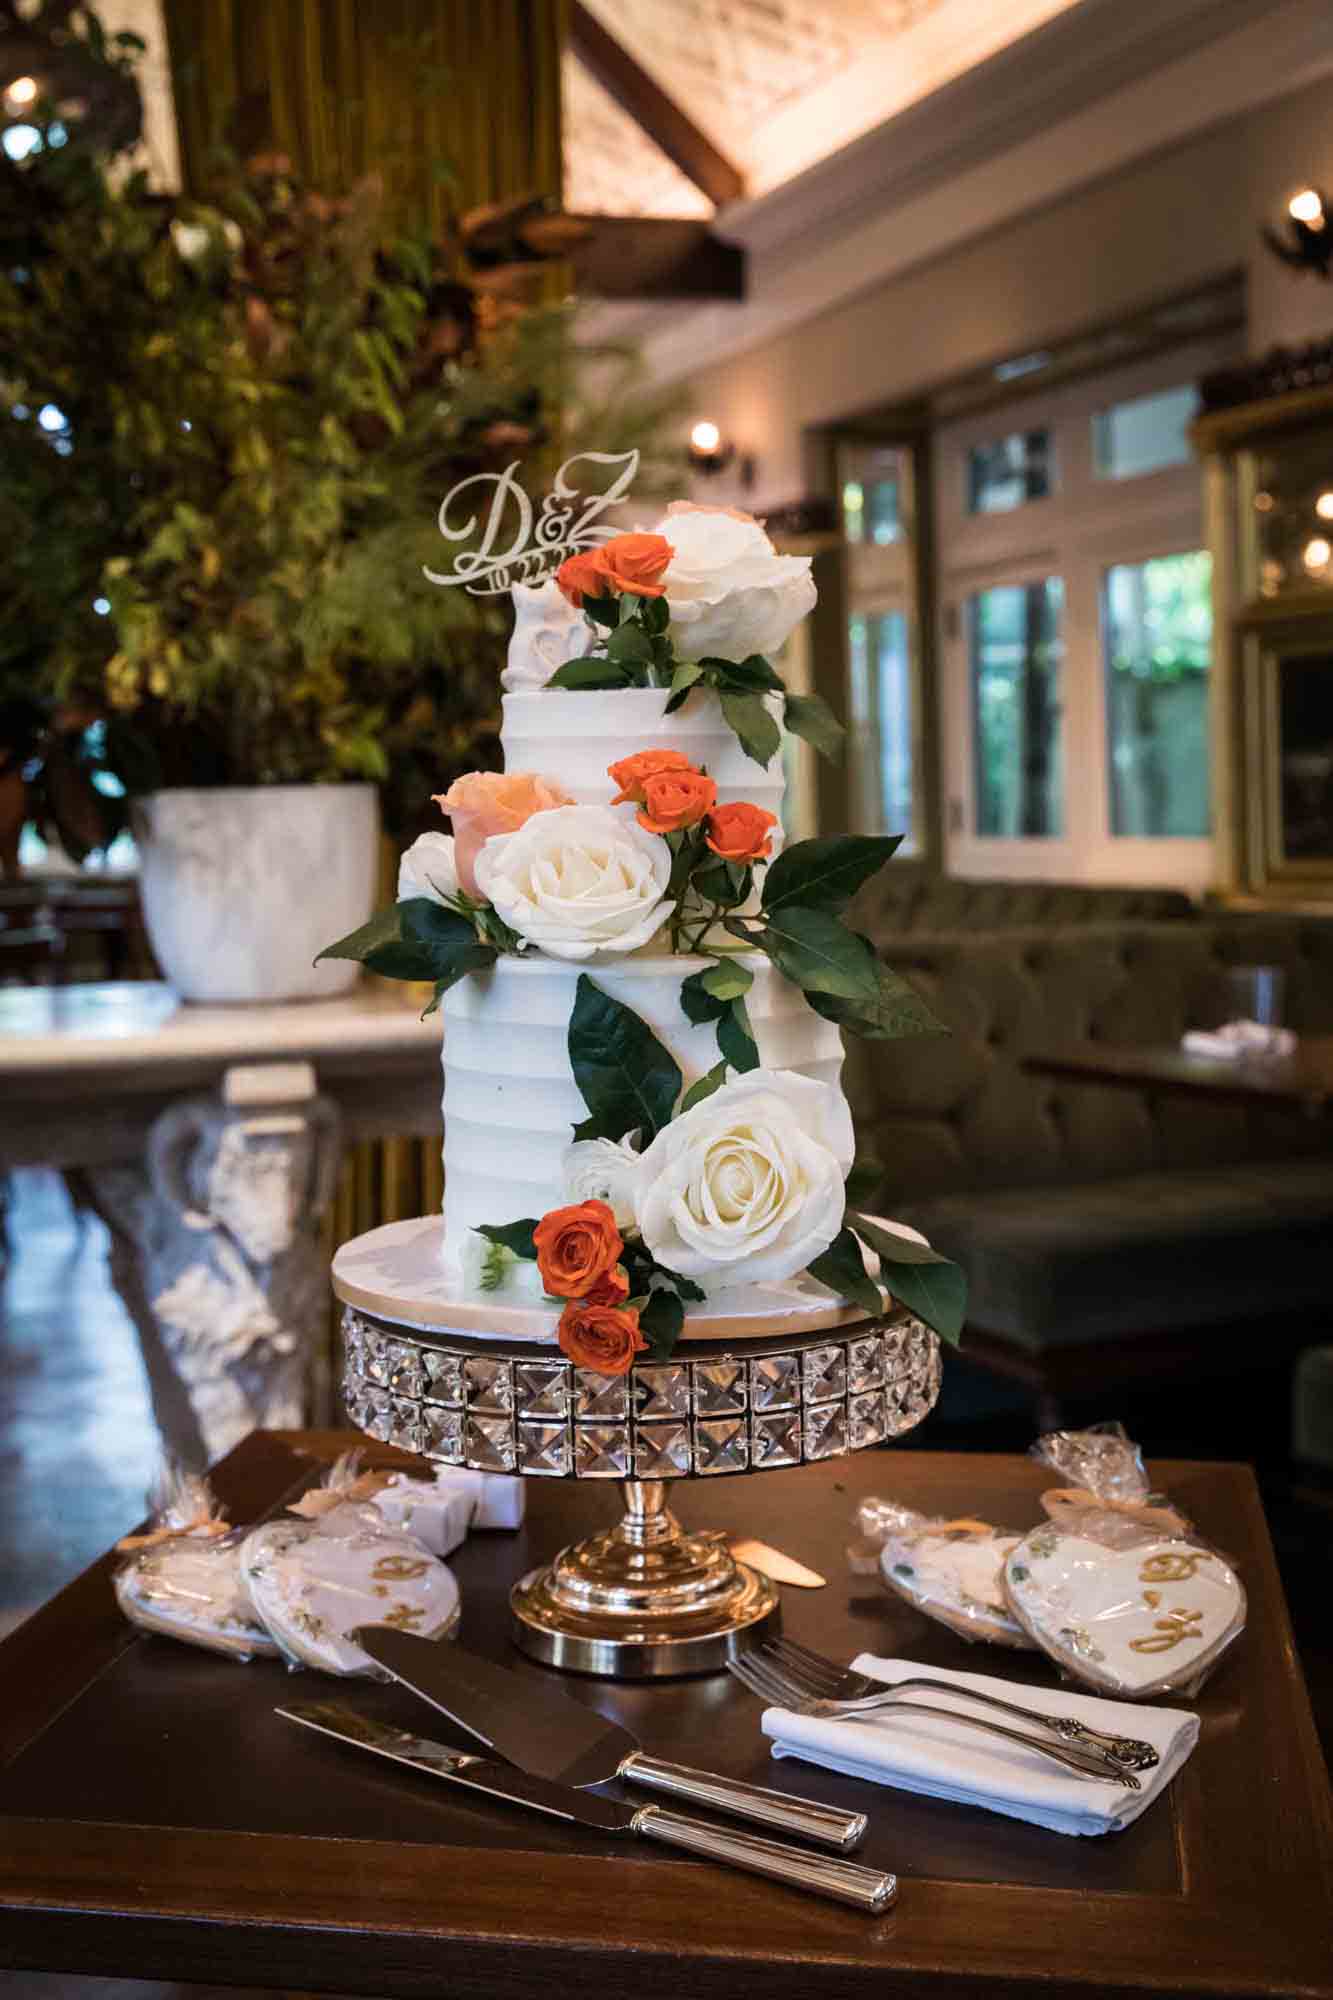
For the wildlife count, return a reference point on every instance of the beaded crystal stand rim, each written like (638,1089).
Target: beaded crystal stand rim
(768,1406)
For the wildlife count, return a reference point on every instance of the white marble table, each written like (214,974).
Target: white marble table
(207,1139)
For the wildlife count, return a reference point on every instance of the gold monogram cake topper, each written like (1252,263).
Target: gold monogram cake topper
(531,549)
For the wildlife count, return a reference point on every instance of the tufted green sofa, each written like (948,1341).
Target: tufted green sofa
(1106,1232)
(906,898)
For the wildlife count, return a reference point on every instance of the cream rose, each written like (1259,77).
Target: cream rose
(428,869)
(749,1184)
(603,1170)
(730,592)
(579,879)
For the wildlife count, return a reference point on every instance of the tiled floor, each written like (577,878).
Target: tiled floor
(78,1452)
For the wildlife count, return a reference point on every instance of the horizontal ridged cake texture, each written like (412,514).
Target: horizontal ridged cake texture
(510,1099)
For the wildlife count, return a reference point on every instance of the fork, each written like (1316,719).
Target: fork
(756,1671)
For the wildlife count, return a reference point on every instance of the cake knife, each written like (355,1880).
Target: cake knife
(549,1736)
(868,1889)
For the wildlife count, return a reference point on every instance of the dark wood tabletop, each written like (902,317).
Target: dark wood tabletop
(156,1818)
(1304,1079)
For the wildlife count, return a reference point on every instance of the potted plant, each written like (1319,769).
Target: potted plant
(230,423)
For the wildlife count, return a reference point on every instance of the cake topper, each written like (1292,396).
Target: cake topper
(567,521)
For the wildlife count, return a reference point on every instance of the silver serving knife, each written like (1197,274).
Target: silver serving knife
(549,1736)
(819,1874)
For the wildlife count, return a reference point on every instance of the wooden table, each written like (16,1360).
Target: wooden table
(156,1819)
(1303,1080)
(220,1258)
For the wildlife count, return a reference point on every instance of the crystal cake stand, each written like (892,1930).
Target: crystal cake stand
(643,1598)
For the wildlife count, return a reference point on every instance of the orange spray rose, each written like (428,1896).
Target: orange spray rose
(634,564)
(741,832)
(630,772)
(581,576)
(486,802)
(673,799)
(578,1249)
(602,1338)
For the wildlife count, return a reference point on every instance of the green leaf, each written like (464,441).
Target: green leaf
(727,980)
(726,883)
(810,716)
(660,1322)
(893,1010)
(448,941)
(931,1286)
(655,614)
(396,960)
(712,1080)
(630,644)
(686,673)
(591,672)
(626,1077)
(842,1268)
(865,1178)
(735,1038)
(385,927)
(826,873)
(697,1003)
(819,954)
(747,715)
(603,611)
(515,1236)
(753,672)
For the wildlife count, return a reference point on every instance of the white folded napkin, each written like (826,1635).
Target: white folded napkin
(947,1760)
(1238,1038)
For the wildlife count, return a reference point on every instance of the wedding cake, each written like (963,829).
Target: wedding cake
(643,984)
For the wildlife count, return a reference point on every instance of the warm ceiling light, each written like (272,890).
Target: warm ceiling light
(1307,207)
(706,437)
(1323,506)
(21,92)
(1316,553)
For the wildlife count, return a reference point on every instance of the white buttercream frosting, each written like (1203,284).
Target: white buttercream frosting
(547,632)
(510,1099)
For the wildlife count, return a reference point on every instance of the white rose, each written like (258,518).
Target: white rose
(427,869)
(603,1170)
(749,1184)
(730,593)
(547,632)
(578,879)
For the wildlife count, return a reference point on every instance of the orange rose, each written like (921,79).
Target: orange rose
(578,1249)
(581,576)
(602,1338)
(633,564)
(630,772)
(673,799)
(611,1288)
(741,832)
(486,802)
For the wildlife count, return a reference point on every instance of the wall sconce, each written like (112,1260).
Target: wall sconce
(1307,241)
(710,452)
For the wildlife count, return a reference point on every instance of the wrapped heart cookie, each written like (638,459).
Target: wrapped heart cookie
(439,1508)
(312,1582)
(950,1570)
(1116,1586)
(182,1577)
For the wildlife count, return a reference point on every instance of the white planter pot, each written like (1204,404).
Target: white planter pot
(244,884)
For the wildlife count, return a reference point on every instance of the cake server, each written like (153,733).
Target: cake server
(549,1736)
(845,1881)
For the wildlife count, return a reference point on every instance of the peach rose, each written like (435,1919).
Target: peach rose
(633,564)
(578,1249)
(630,772)
(673,799)
(741,832)
(604,1339)
(581,576)
(485,802)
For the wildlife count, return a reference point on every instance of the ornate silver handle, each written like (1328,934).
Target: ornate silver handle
(818,1874)
(782,1811)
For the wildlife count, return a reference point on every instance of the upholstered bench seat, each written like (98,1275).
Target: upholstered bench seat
(1141,1253)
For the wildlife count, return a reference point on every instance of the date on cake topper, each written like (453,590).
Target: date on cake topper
(566,522)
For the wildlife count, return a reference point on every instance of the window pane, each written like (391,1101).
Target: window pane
(1009,471)
(1144,434)
(881,714)
(1157,627)
(1015,650)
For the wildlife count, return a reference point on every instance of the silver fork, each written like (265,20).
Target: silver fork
(823,1680)
(758,1674)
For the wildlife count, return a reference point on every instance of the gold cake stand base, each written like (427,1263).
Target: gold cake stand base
(644,1599)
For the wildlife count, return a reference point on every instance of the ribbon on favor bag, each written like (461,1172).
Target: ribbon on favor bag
(202,1528)
(1061,1502)
(320,1499)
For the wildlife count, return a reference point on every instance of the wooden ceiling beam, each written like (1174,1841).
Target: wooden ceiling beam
(651,257)
(652,110)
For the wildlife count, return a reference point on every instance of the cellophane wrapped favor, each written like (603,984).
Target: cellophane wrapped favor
(1117,1586)
(951,1570)
(183,1578)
